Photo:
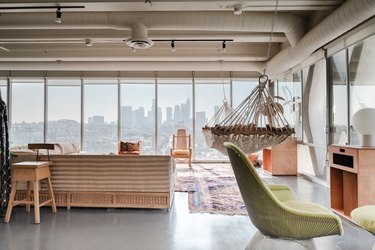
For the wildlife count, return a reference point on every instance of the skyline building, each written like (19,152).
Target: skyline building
(100,135)
(200,119)
(169,114)
(139,116)
(177,114)
(186,112)
(96,119)
(127,115)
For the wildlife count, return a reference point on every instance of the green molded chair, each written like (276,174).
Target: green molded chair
(275,210)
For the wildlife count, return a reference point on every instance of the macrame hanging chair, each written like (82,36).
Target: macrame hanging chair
(258,122)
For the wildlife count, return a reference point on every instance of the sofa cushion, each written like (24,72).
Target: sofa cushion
(22,151)
(56,151)
(77,149)
(67,148)
(60,149)
(18,148)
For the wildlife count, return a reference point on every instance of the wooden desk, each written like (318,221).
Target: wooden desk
(31,172)
(352,177)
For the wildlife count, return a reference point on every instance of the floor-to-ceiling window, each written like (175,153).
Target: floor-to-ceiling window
(352,87)
(27,111)
(64,111)
(289,89)
(100,116)
(174,110)
(312,153)
(303,97)
(138,113)
(339,102)
(241,90)
(209,96)
(361,58)
(89,109)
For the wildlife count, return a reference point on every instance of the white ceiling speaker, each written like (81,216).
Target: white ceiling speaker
(139,38)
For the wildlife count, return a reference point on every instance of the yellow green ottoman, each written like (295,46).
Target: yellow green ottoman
(365,217)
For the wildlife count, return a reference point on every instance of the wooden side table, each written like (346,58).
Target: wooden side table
(31,172)
(352,177)
(281,159)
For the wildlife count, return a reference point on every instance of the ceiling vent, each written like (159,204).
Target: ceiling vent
(139,39)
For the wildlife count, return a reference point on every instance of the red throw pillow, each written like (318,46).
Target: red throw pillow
(129,146)
(132,146)
(123,146)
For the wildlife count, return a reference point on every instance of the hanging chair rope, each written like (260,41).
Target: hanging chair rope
(222,80)
(258,122)
(222,112)
(271,36)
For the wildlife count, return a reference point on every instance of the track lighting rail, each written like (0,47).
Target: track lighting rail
(41,7)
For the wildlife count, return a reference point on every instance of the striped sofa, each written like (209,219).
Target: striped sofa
(84,180)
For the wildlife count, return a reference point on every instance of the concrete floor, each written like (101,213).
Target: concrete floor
(107,229)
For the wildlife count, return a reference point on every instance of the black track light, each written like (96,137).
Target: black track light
(223,47)
(58,15)
(237,9)
(173,47)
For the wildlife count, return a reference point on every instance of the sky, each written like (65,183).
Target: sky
(101,99)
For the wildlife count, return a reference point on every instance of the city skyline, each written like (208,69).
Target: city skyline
(136,116)
(136,125)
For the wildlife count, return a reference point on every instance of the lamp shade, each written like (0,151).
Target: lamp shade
(364,123)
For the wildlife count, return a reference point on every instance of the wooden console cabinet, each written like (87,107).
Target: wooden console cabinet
(352,177)
(281,159)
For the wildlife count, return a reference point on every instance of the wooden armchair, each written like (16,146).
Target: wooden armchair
(181,145)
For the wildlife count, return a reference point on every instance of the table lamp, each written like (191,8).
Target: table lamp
(364,123)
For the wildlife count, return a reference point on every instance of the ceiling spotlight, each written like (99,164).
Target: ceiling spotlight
(133,49)
(88,42)
(58,15)
(173,47)
(237,9)
(223,47)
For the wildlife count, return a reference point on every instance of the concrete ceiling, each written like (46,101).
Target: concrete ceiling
(29,34)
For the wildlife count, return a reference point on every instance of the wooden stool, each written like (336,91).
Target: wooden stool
(31,172)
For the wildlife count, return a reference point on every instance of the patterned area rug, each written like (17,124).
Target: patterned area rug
(212,188)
